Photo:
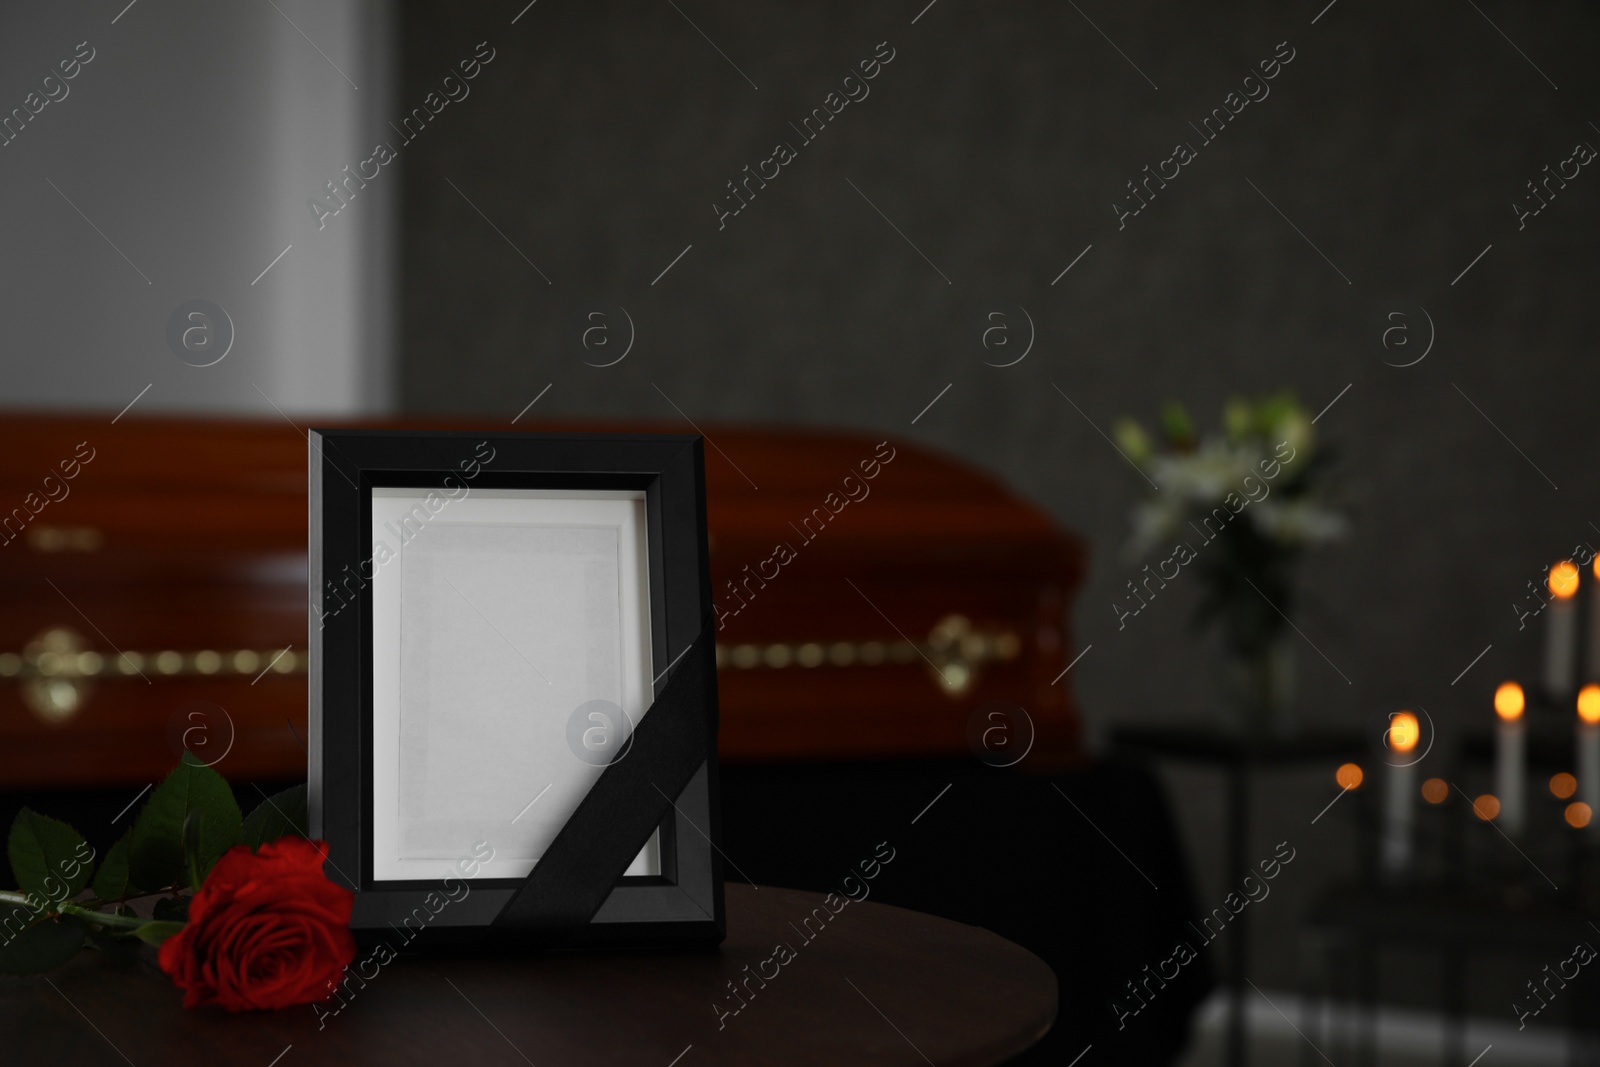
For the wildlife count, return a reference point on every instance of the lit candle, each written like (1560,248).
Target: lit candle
(1561,631)
(1588,743)
(1394,855)
(1508,756)
(1592,665)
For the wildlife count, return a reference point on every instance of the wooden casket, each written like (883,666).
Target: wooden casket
(872,598)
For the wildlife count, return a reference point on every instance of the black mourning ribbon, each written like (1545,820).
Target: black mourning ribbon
(623,808)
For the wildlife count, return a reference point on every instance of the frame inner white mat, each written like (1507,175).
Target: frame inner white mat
(497,616)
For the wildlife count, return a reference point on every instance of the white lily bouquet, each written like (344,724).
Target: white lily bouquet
(1238,508)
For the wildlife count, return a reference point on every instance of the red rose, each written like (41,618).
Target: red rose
(266,930)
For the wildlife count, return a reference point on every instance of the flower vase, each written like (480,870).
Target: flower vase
(1258,689)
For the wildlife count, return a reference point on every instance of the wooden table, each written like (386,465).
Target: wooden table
(875,985)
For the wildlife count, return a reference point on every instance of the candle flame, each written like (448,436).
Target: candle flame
(1509,701)
(1563,580)
(1404,731)
(1589,704)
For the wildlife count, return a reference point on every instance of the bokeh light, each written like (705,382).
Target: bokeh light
(1563,580)
(1404,731)
(1509,701)
(1589,703)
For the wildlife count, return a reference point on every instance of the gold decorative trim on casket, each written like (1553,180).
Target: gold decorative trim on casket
(954,653)
(56,671)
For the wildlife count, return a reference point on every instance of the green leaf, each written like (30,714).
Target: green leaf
(191,847)
(153,933)
(48,858)
(155,847)
(172,909)
(31,949)
(280,815)
(111,880)
(1134,441)
(1176,423)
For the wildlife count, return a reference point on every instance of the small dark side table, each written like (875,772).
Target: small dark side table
(1454,925)
(1239,758)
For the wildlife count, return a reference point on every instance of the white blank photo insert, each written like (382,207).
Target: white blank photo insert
(495,617)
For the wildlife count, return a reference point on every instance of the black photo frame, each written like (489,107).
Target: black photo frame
(575,894)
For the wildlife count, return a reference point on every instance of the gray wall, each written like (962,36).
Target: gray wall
(997,140)
(192,141)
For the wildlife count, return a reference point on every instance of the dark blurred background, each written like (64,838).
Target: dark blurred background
(582,172)
(997,142)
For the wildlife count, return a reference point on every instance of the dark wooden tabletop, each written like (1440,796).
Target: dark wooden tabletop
(874,985)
